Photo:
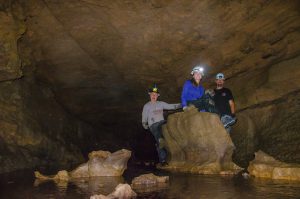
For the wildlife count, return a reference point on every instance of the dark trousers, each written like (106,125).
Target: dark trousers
(204,104)
(156,130)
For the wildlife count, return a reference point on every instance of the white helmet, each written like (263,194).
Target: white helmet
(220,76)
(198,69)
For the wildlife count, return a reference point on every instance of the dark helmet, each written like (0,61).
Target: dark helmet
(153,89)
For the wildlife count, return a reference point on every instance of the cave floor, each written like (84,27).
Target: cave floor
(23,185)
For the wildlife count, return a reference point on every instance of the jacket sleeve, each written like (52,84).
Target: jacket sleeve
(184,94)
(145,115)
(167,106)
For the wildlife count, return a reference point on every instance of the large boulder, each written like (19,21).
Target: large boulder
(197,142)
(101,163)
(265,166)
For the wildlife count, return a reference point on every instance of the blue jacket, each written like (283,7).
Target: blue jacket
(191,92)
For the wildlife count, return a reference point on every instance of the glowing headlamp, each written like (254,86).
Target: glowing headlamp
(198,69)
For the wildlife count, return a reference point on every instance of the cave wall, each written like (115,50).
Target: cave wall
(268,105)
(95,59)
(35,130)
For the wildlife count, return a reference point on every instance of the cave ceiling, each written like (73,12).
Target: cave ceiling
(100,56)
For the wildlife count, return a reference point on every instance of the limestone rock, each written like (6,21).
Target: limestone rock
(198,143)
(265,166)
(82,171)
(60,176)
(149,179)
(149,183)
(122,191)
(11,30)
(36,131)
(269,127)
(104,163)
(101,163)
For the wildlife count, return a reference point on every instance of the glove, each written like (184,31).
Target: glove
(184,108)
(145,125)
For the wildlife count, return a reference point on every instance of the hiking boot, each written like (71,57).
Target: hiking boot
(228,120)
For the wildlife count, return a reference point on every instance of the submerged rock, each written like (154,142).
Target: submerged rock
(60,176)
(148,179)
(101,163)
(197,142)
(122,191)
(265,166)
(149,183)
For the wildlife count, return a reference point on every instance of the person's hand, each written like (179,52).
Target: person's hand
(210,92)
(178,106)
(145,125)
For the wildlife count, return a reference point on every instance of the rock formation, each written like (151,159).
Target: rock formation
(149,183)
(197,142)
(101,163)
(265,166)
(122,191)
(35,130)
(67,65)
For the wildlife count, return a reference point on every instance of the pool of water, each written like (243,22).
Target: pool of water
(186,186)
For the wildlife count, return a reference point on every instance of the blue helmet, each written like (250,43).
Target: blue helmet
(220,76)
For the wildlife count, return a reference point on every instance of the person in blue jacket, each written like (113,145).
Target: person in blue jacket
(193,91)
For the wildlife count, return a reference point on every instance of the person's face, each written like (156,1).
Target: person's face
(153,96)
(197,76)
(220,82)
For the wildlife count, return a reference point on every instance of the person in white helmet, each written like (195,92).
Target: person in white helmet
(153,118)
(224,102)
(193,91)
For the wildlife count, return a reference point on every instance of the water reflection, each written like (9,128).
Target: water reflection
(96,185)
(180,186)
(92,185)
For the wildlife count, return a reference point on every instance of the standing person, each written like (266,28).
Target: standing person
(193,91)
(224,102)
(153,118)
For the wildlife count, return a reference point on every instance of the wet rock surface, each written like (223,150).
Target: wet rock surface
(101,163)
(149,183)
(197,142)
(265,166)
